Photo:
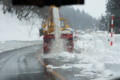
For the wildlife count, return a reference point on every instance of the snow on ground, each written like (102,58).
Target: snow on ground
(11,45)
(97,60)
(14,34)
(13,29)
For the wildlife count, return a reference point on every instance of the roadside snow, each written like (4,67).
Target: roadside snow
(16,34)
(95,53)
(64,55)
(93,57)
(11,45)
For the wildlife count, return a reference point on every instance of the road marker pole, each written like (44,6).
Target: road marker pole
(112,27)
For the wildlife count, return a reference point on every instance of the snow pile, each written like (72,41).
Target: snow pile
(94,53)
(97,51)
(61,67)
(63,55)
(11,45)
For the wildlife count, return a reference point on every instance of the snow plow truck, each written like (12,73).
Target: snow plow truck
(53,27)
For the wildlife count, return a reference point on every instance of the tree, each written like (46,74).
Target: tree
(103,23)
(24,12)
(77,19)
(113,7)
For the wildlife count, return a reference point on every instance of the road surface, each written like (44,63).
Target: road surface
(22,64)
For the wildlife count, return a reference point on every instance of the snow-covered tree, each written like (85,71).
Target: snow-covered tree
(113,7)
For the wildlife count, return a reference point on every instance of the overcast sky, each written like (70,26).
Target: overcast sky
(93,7)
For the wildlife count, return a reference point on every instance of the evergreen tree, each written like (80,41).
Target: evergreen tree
(78,19)
(113,7)
(25,12)
(103,23)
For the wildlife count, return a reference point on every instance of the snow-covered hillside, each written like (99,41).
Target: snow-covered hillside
(13,29)
(16,34)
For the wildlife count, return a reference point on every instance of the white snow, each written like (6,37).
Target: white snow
(16,34)
(11,45)
(96,52)
(64,55)
(13,29)
(93,50)
(58,45)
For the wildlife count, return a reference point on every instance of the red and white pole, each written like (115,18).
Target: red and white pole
(112,27)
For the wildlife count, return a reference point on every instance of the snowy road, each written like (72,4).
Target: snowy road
(22,64)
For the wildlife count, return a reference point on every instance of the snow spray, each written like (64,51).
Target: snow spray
(57,45)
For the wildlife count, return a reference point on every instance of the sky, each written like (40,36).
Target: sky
(93,7)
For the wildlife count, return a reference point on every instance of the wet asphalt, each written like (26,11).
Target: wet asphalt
(22,64)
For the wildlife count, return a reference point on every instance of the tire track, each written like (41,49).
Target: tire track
(2,64)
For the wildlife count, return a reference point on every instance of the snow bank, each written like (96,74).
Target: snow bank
(97,51)
(94,53)
(14,34)
(64,55)
(11,45)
